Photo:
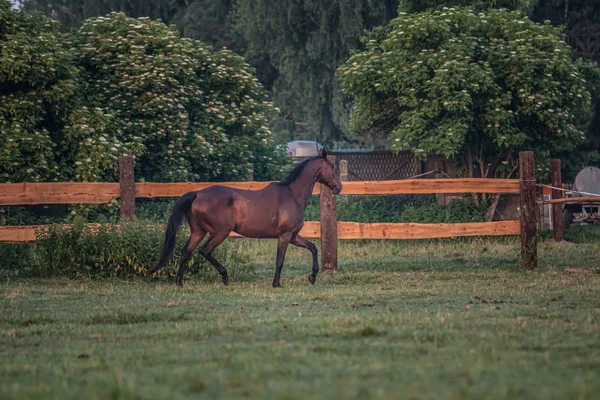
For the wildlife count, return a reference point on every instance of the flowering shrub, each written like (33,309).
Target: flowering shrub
(190,112)
(475,86)
(37,82)
(118,86)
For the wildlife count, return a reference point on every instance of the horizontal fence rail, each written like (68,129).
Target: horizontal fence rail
(433,186)
(98,193)
(346,230)
(578,200)
(12,194)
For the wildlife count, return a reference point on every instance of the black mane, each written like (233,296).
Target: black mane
(295,173)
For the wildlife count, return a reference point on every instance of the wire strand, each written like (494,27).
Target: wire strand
(567,190)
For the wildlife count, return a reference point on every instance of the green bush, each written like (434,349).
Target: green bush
(128,250)
(70,105)
(189,112)
(474,86)
(38,82)
(455,212)
(394,208)
(17,260)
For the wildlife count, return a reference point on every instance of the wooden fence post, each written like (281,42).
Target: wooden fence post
(344,170)
(127,187)
(329,235)
(529,210)
(557,221)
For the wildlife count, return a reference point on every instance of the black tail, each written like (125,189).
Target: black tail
(175,220)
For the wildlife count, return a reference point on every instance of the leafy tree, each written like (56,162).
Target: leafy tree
(580,19)
(129,86)
(298,45)
(581,28)
(200,114)
(71,13)
(47,133)
(205,20)
(415,6)
(210,21)
(479,87)
(37,83)
(587,152)
(295,46)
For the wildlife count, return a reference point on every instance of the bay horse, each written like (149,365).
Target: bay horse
(276,211)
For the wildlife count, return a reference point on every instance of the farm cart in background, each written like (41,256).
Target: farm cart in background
(585,207)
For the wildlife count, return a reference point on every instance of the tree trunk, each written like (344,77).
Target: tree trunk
(492,210)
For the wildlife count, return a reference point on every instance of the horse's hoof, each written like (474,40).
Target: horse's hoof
(277,285)
(180,284)
(312,279)
(225,280)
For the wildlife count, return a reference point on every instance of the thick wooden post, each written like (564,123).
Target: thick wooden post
(557,220)
(344,170)
(328,228)
(127,186)
(250,172)
(528,210)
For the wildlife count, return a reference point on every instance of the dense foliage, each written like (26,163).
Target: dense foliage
(476,86)
(394,208)
(72,13)
(287,48)
(581,28)
(415,6)
(198,113)
(70,106)
(295,46)
(303,42)
(128,250)
(37,84)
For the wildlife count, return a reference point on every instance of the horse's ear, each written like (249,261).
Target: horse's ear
(324,153)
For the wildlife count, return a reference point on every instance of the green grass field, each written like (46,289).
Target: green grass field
(447,319)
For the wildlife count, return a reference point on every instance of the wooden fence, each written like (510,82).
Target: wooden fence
(329,229)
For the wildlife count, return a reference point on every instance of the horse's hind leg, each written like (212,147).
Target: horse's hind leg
(195,239)
(282,244)
(301,242)
(207,249)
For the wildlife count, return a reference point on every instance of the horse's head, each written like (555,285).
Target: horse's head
(327,176)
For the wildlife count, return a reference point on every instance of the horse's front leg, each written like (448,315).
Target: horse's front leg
(282,244)
(301,242)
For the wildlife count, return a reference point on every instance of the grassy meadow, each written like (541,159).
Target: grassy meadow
(440,319)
